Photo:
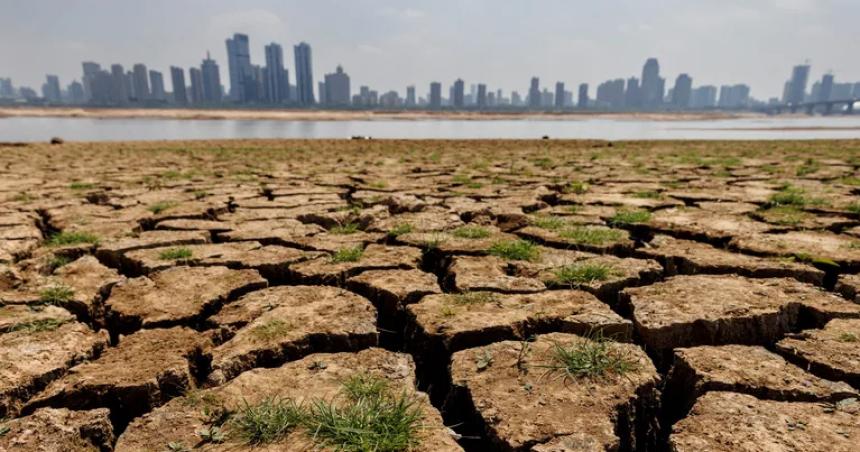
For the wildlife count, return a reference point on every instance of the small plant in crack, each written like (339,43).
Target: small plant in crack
(56,261)
(38,326)
(628,217)
(587,235)
(549,223)
(56,294)
(592,357)
(576,275)
(72,238)
(175,254)
(515,250)
(212,435)
(81,186)
(575,187)
(352,254)
(648,194)
(346,228)
(162,206)
(471,232)
(271,330)
(848,337)
(268,421)
(400,229)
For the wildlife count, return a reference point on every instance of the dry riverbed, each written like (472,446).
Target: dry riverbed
(430,296)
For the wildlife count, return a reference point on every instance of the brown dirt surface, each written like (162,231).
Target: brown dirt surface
(726,421)
(59,430)
(317,377)
(832,352)
(134,274)
(523,401)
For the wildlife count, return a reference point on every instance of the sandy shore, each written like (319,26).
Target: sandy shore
(338,115)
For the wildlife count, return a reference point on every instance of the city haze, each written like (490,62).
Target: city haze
(391,44)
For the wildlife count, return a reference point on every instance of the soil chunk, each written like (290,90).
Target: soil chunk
(832,352)
(56,430)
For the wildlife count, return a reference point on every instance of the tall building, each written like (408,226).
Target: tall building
(119,87)
(795,90)
(75,92)
(321,97)
(51,89)
(90,71)
(156,83)
(653,86)
(826,88)
(582,98)
(457,93)
(734,96)
(141,82)
(277,83)
(100,88)
(534,93)
(304,74)
(610,94)
(682,91)
(177,78)
(481,96)
(197,95)
(435,95)
(410,96)
(211,80)
(337,89)
(633,94)
(703,97)
(239,65)
(559,95)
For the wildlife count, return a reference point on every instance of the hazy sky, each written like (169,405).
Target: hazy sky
(389,43)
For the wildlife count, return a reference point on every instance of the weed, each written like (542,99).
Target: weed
(467,298)
(175,446)
(575,187)
(447,311)
(582,274)
(544,162)
(483,361)
(784,215)
(348,254)
(647,195)
(38,326)
(790,195)
(346,228)
(268,421)
(174,254)
(56,294)
(811,166)
(471,232)
(24,198)
(516,250)
(362,385)
(848,337)
(81,186)
(400,229)
(591,235)
(628,217)
(461,179)
(57,261)
(548,222)
(853,180)
(4,429)
(378,185)
(72,238)
(273,329)
(591,358)
(853,208)
(162,206)
(212,435)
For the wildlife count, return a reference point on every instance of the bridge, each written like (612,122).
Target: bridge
(810,107)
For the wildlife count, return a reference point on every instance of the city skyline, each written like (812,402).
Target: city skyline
(370,37)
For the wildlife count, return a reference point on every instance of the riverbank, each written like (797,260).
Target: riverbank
(346,115)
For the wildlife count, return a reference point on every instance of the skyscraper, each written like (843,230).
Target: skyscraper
(239,65)
(795,92)
(481,96)
(75,90)
(435,95)
(277,84)
(177,78)
(141,82)
(559,95)
(610,94)
(534,93)
(633,94)
(51,89)
(682,91)
(826,87)
(119,87)
(90,71)
(410,96)
(703,97)
(337,89)
(197,95)
(457,93)
(304,74)
(156,82)
(582,99)
(653,85)
(210,80)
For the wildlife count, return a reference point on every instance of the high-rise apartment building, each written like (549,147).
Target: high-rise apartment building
(682,91)
(239,64)
(435,95)
(211,80)
(177,78)
(277,84)
(337,89)
(156,83)
(141,82)
(304,74)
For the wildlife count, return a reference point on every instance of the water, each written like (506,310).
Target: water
(763,128)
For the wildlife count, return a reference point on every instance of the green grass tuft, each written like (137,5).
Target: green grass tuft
(586,235)
(72,238)
(582,274)
(346,228)
(848,337)
(37,326)
(515,250)
(348,254)
(400,229)
(788,215)
(57,261)
(549,223)
(162,206)
(174,254)
(471,232)
(268,421)
(575,187)
(467,298)
(647,195)
(273,329)
(81,186)
(590,358)
(56,294)
(628,217)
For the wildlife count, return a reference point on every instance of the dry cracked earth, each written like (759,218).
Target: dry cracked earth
(430,296)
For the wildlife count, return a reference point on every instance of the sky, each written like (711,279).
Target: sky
(389,44)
